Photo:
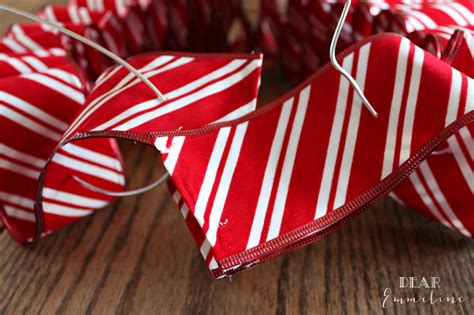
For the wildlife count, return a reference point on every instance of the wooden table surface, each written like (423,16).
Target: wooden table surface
(137,256)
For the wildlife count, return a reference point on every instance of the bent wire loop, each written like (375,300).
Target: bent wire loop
(332,56)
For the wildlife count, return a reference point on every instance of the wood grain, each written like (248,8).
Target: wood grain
(137,257)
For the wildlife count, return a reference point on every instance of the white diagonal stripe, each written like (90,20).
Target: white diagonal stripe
(334,141)
(49,14)
(269,175)
(16,63)
(468,140)
(470,93)
(239,112)
(453,14)
(426,199)
(84,15)
(465,12)
(409,118)
(91,5)
(99,101)
(438,194)
(34,62)
(73,199)
(352,131)
(391,141)
(13,45)
(191,98)
(210,176)
(219,73)
(65,211)
(452,114)
(454,97)
(29,124)
(396,198)
(415,24)
(173,155)
(423,18)
(25,39)
(224,184)
(88,168)
(33,110)
(73,14)
(289,161)
(177,197)
(99,5)
(18,213)
(110,42)
(57,86)
(184,210)
(121,8)
(133,24)
(21,156)
(105,76)
(158,65)
(232,66)
(17,200)
(464,165)
(205,248)
(213,264)
(19,169)
(93,156)
(65,76)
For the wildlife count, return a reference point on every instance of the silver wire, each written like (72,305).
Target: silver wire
(120,61)
(84,40)
(124,193)
(332,57)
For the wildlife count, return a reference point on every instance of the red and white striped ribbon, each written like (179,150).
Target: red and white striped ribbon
(257,186)
(250,184)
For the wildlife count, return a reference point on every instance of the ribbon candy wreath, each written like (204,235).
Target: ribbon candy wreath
(316,157)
